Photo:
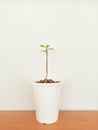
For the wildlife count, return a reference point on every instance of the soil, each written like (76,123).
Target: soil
(47,81)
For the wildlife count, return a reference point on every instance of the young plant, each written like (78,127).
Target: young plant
(45,49)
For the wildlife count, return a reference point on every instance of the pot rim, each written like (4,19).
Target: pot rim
(34,82)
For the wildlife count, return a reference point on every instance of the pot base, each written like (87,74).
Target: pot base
(47,122)
(46,117)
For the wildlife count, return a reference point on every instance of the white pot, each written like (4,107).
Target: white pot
(47,99)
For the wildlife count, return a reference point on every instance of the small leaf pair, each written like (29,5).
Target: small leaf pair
(46,47)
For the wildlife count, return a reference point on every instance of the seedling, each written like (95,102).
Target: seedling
(46,48)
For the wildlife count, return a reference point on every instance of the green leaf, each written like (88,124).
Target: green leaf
(51,49)
(42,46)
(47,46)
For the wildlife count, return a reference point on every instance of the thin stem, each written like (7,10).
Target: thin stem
(46,64)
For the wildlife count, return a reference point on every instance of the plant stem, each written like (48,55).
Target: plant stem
(46,64)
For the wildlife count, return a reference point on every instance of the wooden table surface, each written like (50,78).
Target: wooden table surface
(68,120)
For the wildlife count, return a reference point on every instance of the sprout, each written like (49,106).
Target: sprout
(46,48)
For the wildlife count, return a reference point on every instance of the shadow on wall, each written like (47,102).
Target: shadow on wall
(66,86)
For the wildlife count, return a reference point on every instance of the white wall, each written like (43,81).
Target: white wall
(71,27)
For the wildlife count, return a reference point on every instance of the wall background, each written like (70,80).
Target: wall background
(71,27)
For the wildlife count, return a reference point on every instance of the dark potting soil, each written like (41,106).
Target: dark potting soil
(47,81)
